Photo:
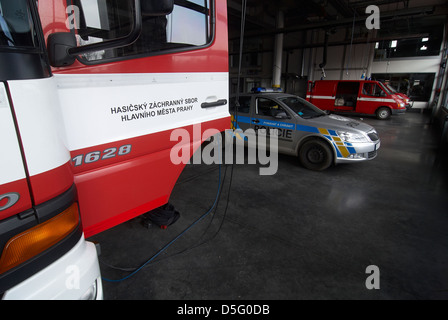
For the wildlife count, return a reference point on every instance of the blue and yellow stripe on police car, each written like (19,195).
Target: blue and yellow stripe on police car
(344,148)
(237,132)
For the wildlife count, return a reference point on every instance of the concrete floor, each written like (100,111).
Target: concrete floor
(300,234)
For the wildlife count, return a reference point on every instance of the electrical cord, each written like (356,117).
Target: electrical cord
(175,239)
(211,220)
(243,23)
(218,194)
(132,269)
(212,209)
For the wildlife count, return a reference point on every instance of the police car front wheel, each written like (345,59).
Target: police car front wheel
(315,155)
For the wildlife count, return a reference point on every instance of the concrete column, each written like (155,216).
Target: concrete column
(371,47)
(278,52)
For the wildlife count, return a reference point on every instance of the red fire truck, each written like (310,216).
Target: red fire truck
(359,97)
(90,92)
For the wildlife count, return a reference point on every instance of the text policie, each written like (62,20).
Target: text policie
(230,150)
(153,109)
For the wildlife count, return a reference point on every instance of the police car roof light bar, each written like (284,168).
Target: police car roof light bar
(262,89)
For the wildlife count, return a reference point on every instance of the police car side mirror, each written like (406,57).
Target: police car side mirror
(155,8)
(59,44)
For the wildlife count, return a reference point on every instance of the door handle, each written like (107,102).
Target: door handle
(256,121)
(218,103)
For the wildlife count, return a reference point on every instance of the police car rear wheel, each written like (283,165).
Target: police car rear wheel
(315,155)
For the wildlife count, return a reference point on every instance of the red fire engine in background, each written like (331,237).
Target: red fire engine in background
(90,92)
(351,96)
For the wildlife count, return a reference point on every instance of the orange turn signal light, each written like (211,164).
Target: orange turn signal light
(31,242)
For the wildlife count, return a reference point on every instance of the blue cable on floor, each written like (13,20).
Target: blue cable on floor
(176,238)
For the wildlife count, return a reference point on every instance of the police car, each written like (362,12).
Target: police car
(319,139)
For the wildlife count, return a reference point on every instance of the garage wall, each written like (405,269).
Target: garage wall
(411,65)
(343,62)
(353,61)
(349,57)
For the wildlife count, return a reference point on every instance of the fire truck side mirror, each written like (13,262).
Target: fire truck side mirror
(58,45)
(63,49)
(157,7)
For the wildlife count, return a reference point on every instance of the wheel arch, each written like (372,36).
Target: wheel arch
(316,137)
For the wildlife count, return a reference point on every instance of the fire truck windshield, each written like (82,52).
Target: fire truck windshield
(189,25)
(16,25)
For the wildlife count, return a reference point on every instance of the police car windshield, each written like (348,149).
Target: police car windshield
(302,107)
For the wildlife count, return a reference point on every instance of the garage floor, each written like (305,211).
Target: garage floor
(299,234)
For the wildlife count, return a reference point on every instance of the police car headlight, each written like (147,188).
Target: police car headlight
(352,137)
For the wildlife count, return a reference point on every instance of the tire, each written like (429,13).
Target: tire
(316,155)
(383,113)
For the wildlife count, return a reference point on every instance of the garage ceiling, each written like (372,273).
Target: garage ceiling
(398,17)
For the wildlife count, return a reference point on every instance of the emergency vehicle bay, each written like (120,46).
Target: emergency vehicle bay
(299,234)
(368,230)
(106,114)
